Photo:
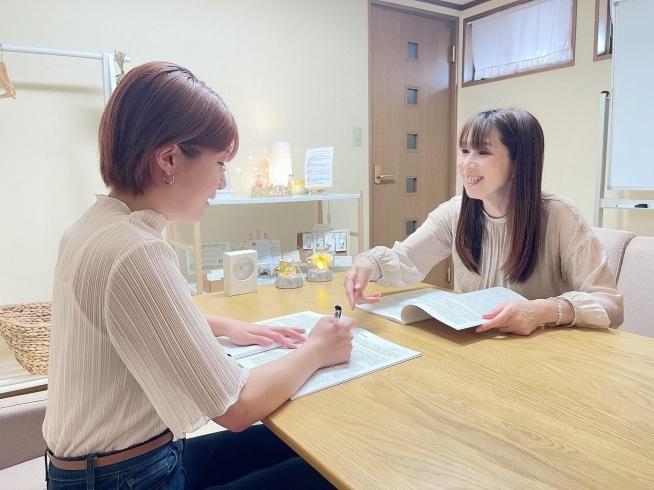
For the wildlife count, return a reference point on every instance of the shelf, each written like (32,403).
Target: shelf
(626,203)
(263,281)
(195,246)
(13,378)
(268,200)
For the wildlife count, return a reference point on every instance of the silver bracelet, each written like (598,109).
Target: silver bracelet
(560,311)
(372,261)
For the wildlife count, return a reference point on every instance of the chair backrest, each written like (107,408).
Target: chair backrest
(21,420)
(636,283)
(615,242)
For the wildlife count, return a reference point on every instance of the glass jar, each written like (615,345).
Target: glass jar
(321,258)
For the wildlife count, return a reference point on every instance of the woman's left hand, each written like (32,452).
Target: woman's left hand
(243,333)
(518,317)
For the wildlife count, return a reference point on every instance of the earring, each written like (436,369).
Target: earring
(172,179)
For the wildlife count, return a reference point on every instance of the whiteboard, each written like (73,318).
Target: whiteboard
(631,164)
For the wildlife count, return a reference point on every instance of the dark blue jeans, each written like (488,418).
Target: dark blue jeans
(252,459)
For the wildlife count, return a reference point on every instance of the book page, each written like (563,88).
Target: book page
(369,353)
(305,319)
(465,310)
(392,306)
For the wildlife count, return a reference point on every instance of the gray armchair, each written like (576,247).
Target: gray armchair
(615,242)
(636,283)
(21,442)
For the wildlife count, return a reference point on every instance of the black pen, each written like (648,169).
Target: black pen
(337,314)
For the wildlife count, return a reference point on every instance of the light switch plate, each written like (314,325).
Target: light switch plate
(357,136)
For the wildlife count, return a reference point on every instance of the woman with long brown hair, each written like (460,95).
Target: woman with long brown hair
(504,231)
(134,366)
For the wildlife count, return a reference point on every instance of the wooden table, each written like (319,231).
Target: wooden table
(565,408)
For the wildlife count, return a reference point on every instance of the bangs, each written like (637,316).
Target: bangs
(223,134)
(214,126)
(476,131)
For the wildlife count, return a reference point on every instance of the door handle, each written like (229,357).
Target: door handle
(379,177)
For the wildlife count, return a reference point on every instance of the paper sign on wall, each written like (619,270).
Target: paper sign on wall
(318,168)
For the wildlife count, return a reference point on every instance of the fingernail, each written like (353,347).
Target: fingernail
(357,285)
(270,342)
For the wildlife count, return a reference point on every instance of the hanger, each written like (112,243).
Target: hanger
(4,78)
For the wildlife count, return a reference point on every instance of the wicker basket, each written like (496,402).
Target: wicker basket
(26,329)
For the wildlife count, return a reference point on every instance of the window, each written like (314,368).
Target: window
(412,141)
(412,51)
(412,96)
(603,30)
(522,37)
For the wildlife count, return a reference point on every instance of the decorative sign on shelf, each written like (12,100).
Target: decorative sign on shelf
(212,257)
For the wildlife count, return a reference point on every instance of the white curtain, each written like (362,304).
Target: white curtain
(523,38)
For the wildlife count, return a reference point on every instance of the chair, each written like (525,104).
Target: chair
(21,442)
(615,242)
(636,283)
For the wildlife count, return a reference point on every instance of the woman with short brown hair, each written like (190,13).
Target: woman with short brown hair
(134,366)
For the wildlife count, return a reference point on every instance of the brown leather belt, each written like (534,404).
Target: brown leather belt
(118,457)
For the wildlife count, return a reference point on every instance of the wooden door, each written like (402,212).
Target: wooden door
(412,123)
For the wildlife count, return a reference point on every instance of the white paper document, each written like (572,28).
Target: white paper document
(212,257)
(275,251)
(459,311)
(306,320)
(343,261)
(318,167)
(263,250)
(370,353)
(292,255)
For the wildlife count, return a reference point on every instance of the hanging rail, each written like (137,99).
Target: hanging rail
(108,68)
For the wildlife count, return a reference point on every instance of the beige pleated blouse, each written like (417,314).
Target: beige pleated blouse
(573,264)
(130,354)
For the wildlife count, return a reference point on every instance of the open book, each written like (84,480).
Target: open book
(459,311)
(370,353)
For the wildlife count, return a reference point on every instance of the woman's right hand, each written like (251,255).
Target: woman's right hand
(270,385)
(356,281)
(332,341)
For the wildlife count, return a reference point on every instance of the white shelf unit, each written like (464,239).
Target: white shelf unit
(196,247)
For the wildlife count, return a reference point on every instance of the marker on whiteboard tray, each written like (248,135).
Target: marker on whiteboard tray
(642,205)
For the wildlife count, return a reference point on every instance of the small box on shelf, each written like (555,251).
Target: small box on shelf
(211,284)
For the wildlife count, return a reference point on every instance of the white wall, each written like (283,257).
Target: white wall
(289,70)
